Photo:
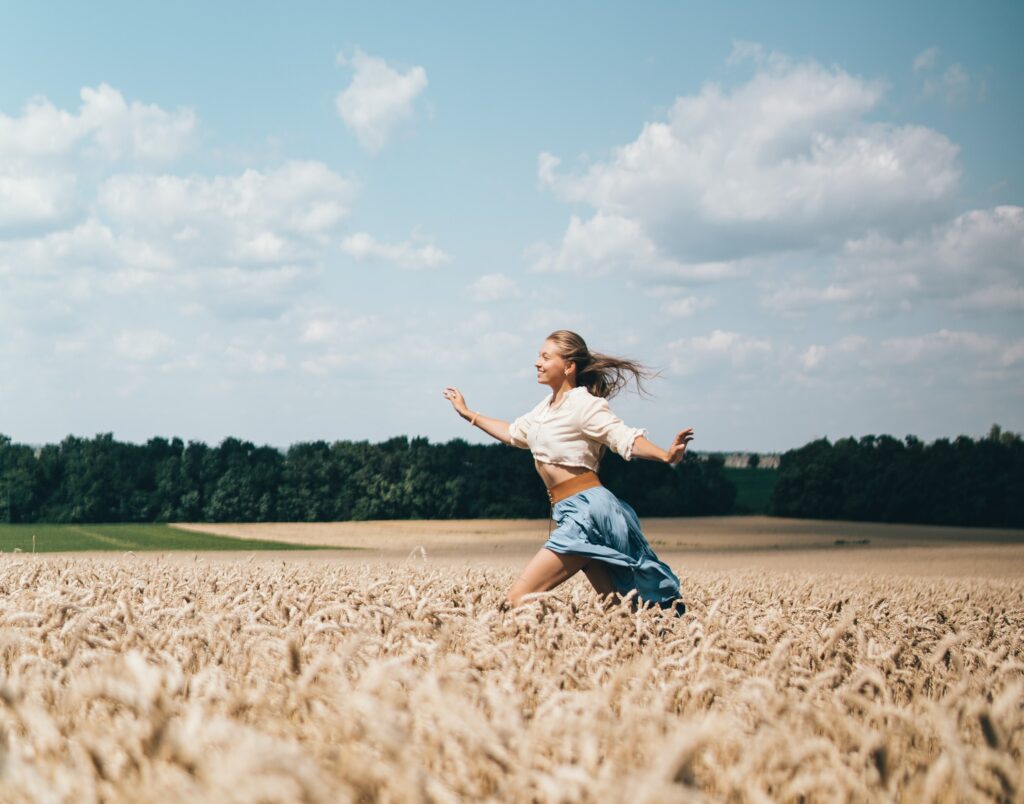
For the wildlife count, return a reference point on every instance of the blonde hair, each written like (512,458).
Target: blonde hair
(603,375)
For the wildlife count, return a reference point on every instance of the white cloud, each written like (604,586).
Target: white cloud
(363,246)
(431,341)
(547,164)
(43,148)
(717,350)
(106,125)
(975,262)
(685,306)
(607,243)
(242,246)
(816,355)
(136,130)
(953,84)
(317,331)
(143,346)
(338,327)
(788,160)
(244,358)
(994,298)
(812,356)
(493,287)
(253,217)
(233,242)
(599,245)
(919,348)
(942,356)
(378,99)
(925,60)
(31,200)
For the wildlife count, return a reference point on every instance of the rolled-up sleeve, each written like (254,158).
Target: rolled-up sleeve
(599,423)
(519,429)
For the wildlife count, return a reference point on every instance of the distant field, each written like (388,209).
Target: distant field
(753,488)
(687,543)
(60,538)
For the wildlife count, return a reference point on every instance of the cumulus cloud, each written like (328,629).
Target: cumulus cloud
(788,160)
(816,355)
(105,125)
(92,221)
(378,99)
(942,356)
(363,246)
(42,149)
(925,60)
(29,200)
(789,177)
(273,216)
(718,349)
(907,367)
(235,245)
(430,341)
(685,306)
(951,84)
(493,287)
(945,344)
(974,261)
(598,245)
(143,346)
(247,358)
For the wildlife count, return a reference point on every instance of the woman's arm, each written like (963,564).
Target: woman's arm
(493,427)
(597,421)
(642,448)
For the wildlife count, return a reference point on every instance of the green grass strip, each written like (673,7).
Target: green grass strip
(119,538)
(754,488)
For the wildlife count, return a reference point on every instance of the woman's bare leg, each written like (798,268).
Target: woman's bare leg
(599,577)
(546,570)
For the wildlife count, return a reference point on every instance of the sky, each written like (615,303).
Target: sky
(291,222)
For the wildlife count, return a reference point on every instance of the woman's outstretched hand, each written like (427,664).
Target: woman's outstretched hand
(678,448)
(454,396)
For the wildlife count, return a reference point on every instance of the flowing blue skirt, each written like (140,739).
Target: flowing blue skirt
(597,524)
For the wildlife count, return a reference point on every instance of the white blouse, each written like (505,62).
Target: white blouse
(574,432)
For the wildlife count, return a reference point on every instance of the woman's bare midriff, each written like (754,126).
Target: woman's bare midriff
(552,473)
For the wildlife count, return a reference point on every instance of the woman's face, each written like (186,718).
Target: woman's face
(550,365)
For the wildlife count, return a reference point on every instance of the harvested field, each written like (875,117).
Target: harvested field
(146,680)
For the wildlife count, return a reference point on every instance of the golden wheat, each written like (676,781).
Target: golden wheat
(139,680)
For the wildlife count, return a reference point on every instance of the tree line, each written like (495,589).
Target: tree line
(962,481)
(101,479)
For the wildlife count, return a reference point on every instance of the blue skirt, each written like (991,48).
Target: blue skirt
(597,524)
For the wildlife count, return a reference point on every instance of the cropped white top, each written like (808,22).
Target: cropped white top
(574,432)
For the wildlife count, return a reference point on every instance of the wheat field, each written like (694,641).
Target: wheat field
(146,680)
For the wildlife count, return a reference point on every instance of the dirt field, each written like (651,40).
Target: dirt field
(687,544)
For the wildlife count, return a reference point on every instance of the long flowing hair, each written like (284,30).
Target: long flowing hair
(603,375)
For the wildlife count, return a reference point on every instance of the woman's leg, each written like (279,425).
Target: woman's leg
(599,577)
(546,570)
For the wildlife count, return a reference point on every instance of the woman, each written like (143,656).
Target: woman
(567,433)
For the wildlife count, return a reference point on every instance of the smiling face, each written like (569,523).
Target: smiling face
(551,367)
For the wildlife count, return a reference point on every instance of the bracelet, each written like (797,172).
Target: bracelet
(472,422)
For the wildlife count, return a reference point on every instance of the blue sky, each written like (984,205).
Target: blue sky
(289,223)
